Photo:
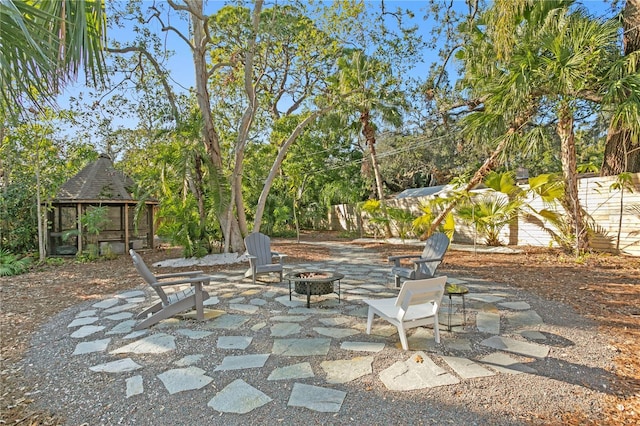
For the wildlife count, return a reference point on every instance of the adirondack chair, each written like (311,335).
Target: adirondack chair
(417,305)
(261,257)
(173,303)
(424,265)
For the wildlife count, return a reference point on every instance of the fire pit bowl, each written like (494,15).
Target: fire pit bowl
(314,283)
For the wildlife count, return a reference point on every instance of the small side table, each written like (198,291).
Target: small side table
(456,290)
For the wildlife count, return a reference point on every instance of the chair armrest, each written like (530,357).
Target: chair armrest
(194,280)
(435,259)
(180,274)
(405,256)
(275,253)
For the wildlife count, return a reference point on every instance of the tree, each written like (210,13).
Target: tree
(559,62)
(375,92)
(622,150)
(44,46)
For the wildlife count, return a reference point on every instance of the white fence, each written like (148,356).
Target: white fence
(609,209)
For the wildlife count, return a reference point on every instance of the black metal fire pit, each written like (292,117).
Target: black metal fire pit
(314,283)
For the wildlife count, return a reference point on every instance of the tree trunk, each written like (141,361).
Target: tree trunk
(262,200)
(228,223)
(369,134)
(620,154)
(570,200)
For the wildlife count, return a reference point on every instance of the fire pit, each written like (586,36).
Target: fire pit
(314,283)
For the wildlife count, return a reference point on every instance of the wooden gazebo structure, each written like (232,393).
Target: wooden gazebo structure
(99,184)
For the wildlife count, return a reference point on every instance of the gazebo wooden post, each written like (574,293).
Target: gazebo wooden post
(152,231)
(79,224)
(126,227)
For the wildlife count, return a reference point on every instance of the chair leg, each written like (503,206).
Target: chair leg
(370,320)
(397,281)
(199,300)
(403,337)
(436,330)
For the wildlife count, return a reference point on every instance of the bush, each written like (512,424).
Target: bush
(11,265)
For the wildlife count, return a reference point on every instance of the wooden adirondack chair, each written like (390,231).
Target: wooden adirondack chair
(173,303)
(424,265)
(261,257)
(417,304)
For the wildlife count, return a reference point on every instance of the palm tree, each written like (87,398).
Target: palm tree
(374,93)
(44,46)
(559,61)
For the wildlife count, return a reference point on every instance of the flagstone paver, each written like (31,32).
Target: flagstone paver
(184,379)
(238,397)
(284,329)
(134,385)
(241,362)
(154,344)
(507,344)
(362,346)
(418,372)
(346,370)
(93,346)
(301,370)
(234,342)
(505,364)
(301,347)
(316,398)
(119,366)
(337,333)
(87,330)
(466,368)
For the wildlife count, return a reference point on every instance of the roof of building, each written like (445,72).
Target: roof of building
(420,192)
(97,181)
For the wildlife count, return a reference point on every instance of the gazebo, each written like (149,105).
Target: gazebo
(99,184)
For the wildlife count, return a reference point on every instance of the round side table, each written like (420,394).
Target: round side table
(456,290)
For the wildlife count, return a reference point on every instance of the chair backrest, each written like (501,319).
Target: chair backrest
(420,292)
(435,246)
(259,245)
(148,276)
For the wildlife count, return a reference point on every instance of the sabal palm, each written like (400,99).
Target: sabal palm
(490,214)
(45,44)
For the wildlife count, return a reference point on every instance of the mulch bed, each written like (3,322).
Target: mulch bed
(602,287)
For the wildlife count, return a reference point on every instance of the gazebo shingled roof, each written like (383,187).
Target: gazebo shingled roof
(97,181)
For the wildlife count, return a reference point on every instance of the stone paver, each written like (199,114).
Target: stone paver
(418,372)
(507,344)
(316,398)
(184,379)
(346,370)
(238,397)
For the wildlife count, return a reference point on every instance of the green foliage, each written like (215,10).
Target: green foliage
(402,220)
(430,210)
(54,261)
(489,213)
(10,264)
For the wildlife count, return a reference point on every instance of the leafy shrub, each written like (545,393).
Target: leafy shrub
(11,265)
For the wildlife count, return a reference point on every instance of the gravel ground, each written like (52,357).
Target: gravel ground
(573,378)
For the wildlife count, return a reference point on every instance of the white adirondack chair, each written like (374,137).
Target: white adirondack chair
(417,305)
